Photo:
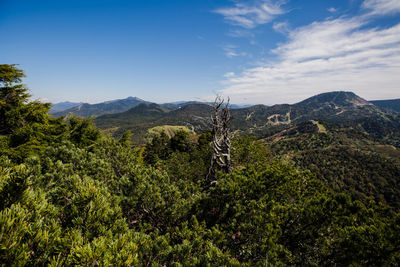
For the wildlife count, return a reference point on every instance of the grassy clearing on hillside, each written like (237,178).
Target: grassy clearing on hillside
(321,128)
(170,130)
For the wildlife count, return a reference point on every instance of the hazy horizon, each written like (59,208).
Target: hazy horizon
(179,101)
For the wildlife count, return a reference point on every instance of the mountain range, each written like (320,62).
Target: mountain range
(379,118)
(339,107)
(116,106)
(108,107)
(121,105)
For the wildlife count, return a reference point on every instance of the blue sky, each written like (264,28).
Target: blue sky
(261,51)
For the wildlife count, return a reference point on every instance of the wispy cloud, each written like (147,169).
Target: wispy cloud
(231,51)
(241,33)
(332,9)
(249,16)
(281,27)
(229,74)
(335,54)
(382,7)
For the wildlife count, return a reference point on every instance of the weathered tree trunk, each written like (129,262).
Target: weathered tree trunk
(221,143)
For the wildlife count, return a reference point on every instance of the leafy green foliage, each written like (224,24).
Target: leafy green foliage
(157,148)
(82,132)
(14,111)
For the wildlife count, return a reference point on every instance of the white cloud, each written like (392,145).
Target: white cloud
(231,51)
(281,27)
(241,33)
(332,9)
(229,74)
(250,15)
(336,54)
(382,7)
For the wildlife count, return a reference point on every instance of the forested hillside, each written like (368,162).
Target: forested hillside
(390,104)
(71,195)
(140,119)
(344,159)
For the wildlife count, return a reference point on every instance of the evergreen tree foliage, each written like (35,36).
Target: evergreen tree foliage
(15,111)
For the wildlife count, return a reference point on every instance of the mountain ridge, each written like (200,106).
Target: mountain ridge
(61,106)
(343,98)
(107,107)
(338,107)
(390,104)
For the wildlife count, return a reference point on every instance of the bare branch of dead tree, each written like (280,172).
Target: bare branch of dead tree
(221,142)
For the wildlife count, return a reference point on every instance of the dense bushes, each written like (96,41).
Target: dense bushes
(345,162)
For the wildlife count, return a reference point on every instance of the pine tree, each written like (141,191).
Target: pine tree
(15,111)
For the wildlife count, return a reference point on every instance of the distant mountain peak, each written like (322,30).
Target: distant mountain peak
(339,98)
(57,107)
(107,107)
(129,98)
(134,98)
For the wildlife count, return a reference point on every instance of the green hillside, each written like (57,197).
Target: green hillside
(344,159)
(140,119)
(390,104)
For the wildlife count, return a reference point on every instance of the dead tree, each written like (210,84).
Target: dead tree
(221,142)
